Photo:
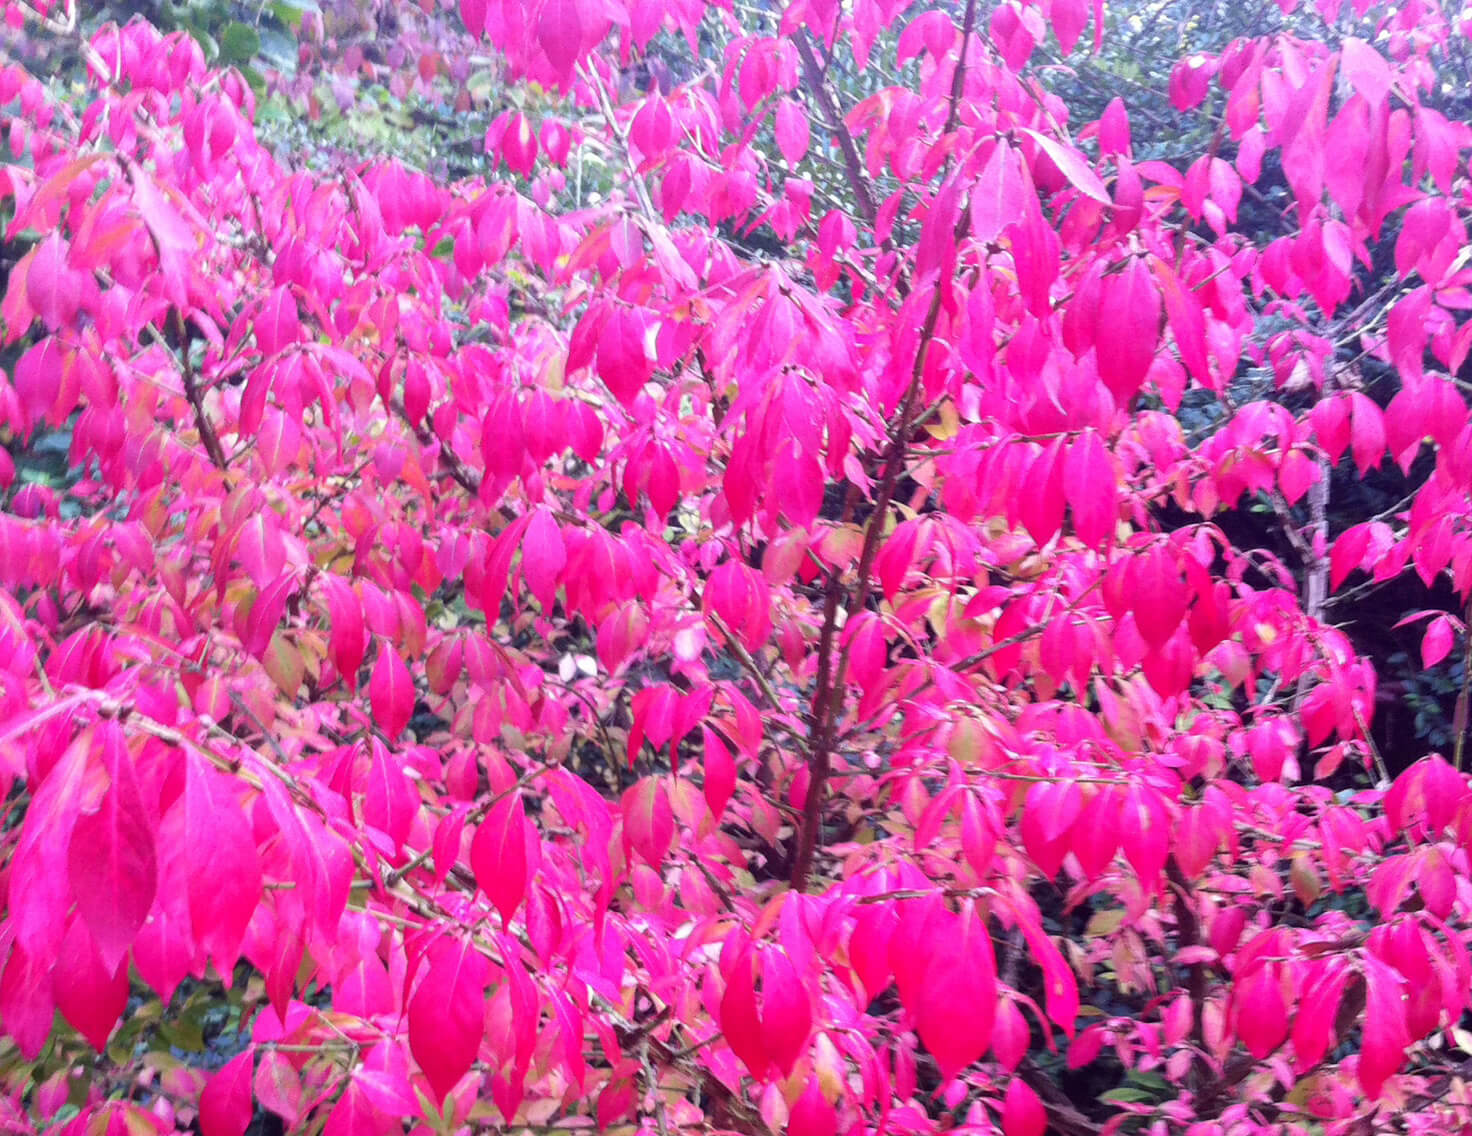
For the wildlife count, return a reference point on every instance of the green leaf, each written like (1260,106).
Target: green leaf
(239,43)
(290,12)
(1125,1096)
(256,80)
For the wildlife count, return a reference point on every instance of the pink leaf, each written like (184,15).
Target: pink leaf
(812,1115)
(787,1015)
(1070,17)
(624,358)
(649,821)
(278,1086)
(225,1107)
(391,691)
(223,864)
(390,800)
(446,1015)
(349,637)
(112,859)
(1386,1035)
(26,1008)
(1090,489)
(1262,1012)
(720,772)
(740,1023)
(543,556)
(792,131)
(560,31)
(1072,165)
(958,994)
(1437,642)
(498,855)
(1022,1111)
(1128,337)
(90,997)
(797,483)
(260,550)
(53,286)
(996,196)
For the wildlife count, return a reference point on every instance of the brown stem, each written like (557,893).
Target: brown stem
(828,697)
(1459,715)
(1063,1118)
(1188,934)
(207,435)
(813,72)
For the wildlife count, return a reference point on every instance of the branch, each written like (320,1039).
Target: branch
(207,435)
(828,698)
(813,72)
(1063,1118)
(1459,715)
(1188,934)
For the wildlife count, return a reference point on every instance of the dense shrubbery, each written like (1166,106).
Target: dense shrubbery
(813,604)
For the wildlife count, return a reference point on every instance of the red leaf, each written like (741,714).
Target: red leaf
(787,1014)
(89,995)
(1072,165)
(560,32)
(1437,642)
(1262,1012)
(349,637)
(543,557)
(649,820)
(355,1115)
(1386,1035)
(446,1015)
(812,1115)
(1022,1111)
(391,691)
(958,995)
(225,1107)
(279,1087)
(996,196)
(498,855)
(53,286)
(1130,330)
(26,1008)
(740,1024)
(1090,488)
(112,859)
(792,131)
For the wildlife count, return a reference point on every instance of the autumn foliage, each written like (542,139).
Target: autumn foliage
(539,661)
